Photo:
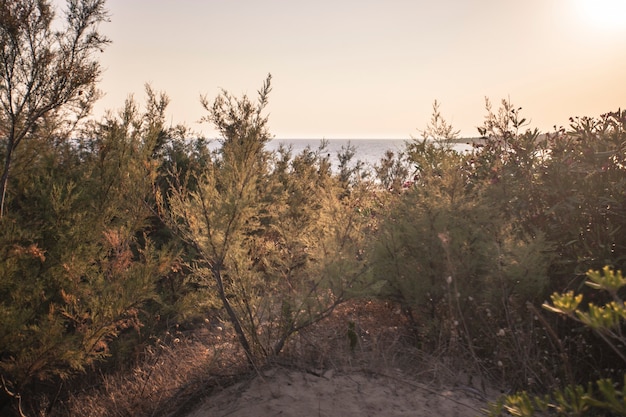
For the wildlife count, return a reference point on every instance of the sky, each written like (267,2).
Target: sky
(350,69)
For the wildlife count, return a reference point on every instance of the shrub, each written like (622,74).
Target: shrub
(77,267)
(607,320)
(275,239)
(460,268)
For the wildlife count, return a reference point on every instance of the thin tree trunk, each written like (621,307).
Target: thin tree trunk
(233,316)
(5,176)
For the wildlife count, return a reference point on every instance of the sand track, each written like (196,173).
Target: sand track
(281,391)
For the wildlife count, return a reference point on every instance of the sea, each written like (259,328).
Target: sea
(368,151)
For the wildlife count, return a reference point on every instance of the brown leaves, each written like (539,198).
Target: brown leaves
(31,251)
(120,254)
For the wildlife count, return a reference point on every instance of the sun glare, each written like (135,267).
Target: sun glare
(604,15)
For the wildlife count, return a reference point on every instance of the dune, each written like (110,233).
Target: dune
(280,391)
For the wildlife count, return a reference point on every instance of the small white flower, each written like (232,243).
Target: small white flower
(449,279)
(500,364)
(501,332)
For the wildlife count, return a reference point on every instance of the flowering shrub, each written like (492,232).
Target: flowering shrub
(607,320)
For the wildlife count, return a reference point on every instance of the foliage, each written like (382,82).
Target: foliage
(350,172)
(510,161)
(439,130)
(45,74)
(462,269)
(269,235)
(392,171)
(585,194)
(441,240)
(569,184)
(608,321)
(77,266)
(139,227)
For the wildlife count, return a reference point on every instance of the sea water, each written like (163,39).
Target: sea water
(368,151)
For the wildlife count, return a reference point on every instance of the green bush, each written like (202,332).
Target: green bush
(77,267)
(459,268)
(607,320)
(275,237)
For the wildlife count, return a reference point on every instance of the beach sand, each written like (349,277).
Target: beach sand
(281,391)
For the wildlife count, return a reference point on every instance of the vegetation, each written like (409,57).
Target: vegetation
(47,77)
(123,240)
(277,245)
(607,321)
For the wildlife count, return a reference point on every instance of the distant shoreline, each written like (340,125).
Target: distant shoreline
(458,140)
(356,141)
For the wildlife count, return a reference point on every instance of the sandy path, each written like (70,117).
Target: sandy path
(286,392)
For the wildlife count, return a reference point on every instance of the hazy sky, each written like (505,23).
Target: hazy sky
(370,69)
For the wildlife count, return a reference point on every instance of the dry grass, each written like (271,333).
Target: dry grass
(385,344)
(175,373)
(171,374)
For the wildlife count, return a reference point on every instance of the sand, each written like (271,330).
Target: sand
(287,392)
